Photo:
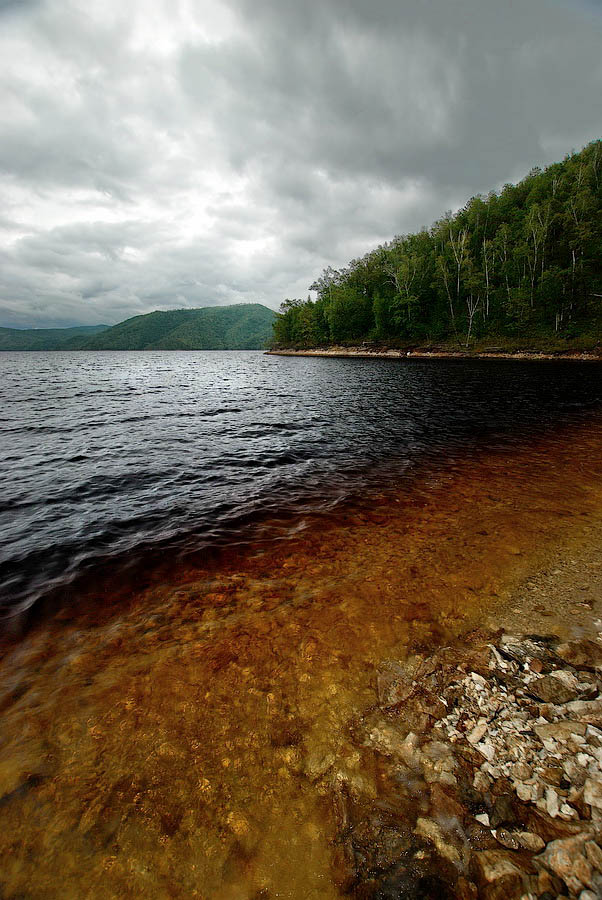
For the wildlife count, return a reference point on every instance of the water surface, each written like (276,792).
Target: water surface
(197,735)
(109,456)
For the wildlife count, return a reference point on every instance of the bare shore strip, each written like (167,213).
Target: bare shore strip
(386,353)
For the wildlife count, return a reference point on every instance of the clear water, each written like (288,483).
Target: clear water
(109,456)
(193,734)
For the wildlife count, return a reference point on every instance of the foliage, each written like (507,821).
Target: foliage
(47,338)
(524,263)
(242,326)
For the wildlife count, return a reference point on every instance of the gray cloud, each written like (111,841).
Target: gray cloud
(165,155)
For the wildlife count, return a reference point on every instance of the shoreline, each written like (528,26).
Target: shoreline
(363,353)
(230,735)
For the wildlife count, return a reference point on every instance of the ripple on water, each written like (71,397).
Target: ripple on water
(108,455)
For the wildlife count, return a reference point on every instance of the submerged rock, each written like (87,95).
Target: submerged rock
(432,832)
(496,870)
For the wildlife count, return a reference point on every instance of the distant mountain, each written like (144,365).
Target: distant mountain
(47,338)
(243,326)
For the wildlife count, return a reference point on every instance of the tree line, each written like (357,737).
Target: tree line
(522,263)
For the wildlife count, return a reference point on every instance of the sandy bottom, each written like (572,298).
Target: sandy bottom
(172,746)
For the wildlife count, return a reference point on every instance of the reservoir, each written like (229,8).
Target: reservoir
(208,559)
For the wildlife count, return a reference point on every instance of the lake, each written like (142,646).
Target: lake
(233,551)
(110,458)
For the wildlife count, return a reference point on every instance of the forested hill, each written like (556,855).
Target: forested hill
(47,338)
(243,326)
(520,267)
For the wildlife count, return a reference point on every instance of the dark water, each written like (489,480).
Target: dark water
(105,454)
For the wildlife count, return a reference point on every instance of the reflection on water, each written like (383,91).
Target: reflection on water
(188,743)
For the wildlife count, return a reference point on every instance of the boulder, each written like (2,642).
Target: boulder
(588,711)
(560,731)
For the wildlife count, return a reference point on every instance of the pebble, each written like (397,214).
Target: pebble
(530,841)
(507,839)
(476,734)
(545,755)
(592,793)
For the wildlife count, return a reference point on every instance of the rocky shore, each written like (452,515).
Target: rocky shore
(360,711)
(476,774)
(367,352)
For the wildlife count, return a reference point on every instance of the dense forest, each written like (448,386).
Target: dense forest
(241,326)
(47,338)
(521,266)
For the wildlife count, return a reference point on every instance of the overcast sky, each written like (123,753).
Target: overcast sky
(156,155)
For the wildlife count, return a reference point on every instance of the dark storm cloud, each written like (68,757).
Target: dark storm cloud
(169,155)
(460,92)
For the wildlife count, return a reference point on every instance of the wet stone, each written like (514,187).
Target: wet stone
(582,654)
(551,689)
(393,683)
(504,811)
(507,839)
(530,841)
(499,776)
(432,832)
(496,868)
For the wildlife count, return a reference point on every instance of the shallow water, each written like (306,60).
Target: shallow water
(188,732)
(114,459)
(193,739)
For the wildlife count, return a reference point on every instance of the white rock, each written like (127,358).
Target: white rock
(592,793)
(552,802)
(476,734)
(486,749)
(523,791)
(567,812)
(483,818)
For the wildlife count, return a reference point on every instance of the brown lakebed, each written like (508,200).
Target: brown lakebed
(186,742)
